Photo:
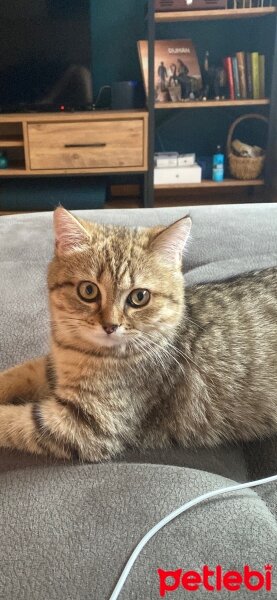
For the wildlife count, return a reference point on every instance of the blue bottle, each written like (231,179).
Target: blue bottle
(218,165)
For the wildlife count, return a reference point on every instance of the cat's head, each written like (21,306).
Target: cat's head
(112,288)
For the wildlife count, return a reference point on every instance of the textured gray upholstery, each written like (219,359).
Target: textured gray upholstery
(67,530)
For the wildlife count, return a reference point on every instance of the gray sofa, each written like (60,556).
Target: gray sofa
(67,530)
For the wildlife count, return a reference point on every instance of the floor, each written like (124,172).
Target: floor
(128,196)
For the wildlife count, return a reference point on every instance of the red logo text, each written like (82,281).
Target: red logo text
(215,580)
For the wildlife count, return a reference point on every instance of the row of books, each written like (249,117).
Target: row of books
(245,75)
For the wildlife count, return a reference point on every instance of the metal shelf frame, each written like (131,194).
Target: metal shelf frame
(152,20)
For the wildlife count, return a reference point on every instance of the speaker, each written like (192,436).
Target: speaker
(127,95)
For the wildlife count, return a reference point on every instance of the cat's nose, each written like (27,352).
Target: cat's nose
(110,327)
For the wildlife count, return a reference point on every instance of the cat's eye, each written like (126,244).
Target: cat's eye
(88,291)
(138,298)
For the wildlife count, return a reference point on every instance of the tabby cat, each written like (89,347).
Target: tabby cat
(136,359)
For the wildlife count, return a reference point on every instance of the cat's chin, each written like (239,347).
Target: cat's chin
(107,341)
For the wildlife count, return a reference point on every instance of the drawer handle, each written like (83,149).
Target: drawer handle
(100,145)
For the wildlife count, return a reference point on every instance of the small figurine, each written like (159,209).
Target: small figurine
(214,81)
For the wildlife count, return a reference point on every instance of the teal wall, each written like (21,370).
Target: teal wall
(116,27)
(118,24)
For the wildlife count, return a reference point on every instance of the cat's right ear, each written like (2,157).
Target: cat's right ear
(170,241)
(70,235)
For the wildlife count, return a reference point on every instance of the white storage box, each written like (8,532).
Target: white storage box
(186,159)
(166,159)
(190,174)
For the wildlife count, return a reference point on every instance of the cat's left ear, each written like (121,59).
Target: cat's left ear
(70,235)
(171,240)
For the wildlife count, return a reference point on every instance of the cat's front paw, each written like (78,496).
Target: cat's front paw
(3,388)
(8,388)
(95,451)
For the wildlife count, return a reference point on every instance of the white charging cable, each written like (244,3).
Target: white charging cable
(173,515)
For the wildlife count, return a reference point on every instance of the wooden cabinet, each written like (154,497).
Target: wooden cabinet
(74,143)
(101,144)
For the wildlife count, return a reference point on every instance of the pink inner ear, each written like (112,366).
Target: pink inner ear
(70,235)
(171,241)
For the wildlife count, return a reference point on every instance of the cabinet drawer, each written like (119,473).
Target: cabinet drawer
(103,144)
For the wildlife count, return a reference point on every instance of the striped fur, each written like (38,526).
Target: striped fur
(193,368)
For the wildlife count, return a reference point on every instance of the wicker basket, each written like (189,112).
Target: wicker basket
(244,167)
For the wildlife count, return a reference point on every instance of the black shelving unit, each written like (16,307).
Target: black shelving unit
(271,164)
(149,199)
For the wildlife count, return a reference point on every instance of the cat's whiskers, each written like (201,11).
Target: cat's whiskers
(163,350)
(153,354)
(146,347)
(193,322)
(162,357)
(187,358)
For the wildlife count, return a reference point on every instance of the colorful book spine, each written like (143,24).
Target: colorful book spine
(262,75)
(230,79)
(255,74)
(236,77)
(249,75)
(242,74)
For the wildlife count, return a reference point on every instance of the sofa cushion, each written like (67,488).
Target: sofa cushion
(76,526)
